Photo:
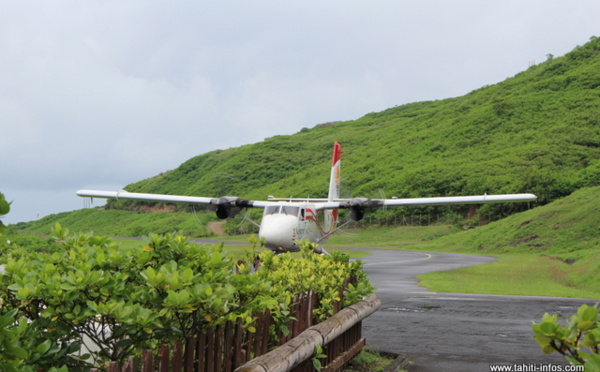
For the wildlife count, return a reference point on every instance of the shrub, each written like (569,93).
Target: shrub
(125,299)
(578,341)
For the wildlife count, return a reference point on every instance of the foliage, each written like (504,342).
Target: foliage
(318,354)
(22,349)
(125,298)
(324,275)
(578,340)
(16,351)
(121,223)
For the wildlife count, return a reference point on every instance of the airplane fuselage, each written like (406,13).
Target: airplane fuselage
(285,225)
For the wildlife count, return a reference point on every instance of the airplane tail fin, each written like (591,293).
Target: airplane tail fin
(331,216)
(334,181)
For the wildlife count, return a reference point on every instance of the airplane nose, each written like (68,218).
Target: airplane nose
(278,232)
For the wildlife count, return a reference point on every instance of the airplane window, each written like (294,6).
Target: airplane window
(272,209)
(288,209)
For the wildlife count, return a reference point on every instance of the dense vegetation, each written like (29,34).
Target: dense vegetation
(120,223)
(116,300)
(538,132)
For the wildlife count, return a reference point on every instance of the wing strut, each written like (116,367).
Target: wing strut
(324,237)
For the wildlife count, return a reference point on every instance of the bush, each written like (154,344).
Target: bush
(127,299)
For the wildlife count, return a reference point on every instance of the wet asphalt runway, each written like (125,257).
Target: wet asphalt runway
(452,331)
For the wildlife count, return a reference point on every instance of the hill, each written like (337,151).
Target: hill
(566,229)
(538,131)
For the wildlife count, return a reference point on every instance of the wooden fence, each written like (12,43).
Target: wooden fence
(229,346)
(340,334)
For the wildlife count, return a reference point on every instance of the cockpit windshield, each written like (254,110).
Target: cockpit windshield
(289,210)
(272,209)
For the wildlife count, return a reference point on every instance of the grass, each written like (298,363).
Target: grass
(406,237)
(238,250)
(369,361)
(514,274)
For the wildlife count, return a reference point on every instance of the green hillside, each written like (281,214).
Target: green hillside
(538,132)
(566,229)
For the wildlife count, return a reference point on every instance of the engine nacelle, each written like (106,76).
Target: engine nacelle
(357,208)
(227,207)
(357,214)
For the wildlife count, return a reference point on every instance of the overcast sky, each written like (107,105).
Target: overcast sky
(100,94)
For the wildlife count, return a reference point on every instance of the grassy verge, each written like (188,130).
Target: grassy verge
(514,274)
(406,237)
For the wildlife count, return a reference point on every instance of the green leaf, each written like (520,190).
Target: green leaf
(317,364)
(216,258)
(548,349)
(587,313)
(589,340)
(547,328)
(586,325)
(593,363)
(187,275)
(149,274)
(44,347)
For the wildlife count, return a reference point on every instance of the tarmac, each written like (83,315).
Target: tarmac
(454,331)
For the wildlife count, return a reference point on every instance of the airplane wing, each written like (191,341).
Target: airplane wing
(410,202)
(226,206)
(139,196)
(481,199)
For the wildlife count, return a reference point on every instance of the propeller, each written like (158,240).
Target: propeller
(229,206)
(358,206)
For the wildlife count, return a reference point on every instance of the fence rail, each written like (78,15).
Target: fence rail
(229,346)
(341,334)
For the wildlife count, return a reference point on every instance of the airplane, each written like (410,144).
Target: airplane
(287,222)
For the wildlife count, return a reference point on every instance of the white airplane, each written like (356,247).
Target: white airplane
(287,222)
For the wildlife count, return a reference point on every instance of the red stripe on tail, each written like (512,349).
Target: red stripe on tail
(337,153)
